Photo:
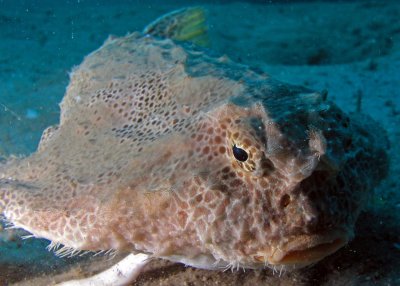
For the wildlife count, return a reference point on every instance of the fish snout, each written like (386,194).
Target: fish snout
(303,250)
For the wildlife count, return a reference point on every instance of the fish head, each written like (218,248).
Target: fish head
(279,178)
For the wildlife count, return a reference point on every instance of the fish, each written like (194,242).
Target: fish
(166,150)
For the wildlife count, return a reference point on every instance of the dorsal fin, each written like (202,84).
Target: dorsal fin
(187,24)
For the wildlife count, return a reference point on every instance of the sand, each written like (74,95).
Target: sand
(352,49)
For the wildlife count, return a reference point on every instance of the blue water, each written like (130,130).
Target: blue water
(350,48)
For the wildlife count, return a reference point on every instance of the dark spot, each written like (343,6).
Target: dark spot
(267,166)
(347,143)
(235,183)
(217,140)
(285,201)
(318,57)
(226,170)
(239,154)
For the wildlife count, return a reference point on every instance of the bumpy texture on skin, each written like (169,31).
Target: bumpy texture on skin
(142,160)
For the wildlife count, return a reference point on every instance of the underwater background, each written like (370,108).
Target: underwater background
(350,48)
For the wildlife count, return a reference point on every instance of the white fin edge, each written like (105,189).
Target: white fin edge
(122,273)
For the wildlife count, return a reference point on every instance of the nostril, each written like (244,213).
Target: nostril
(267,166)
(285,201)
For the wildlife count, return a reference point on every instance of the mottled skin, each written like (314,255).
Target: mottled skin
(142,161)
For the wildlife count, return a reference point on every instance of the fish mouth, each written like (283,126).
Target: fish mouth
(305,250)
(312,254)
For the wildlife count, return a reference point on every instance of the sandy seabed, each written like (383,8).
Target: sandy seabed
(351,49)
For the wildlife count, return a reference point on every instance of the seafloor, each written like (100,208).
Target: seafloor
(350,48)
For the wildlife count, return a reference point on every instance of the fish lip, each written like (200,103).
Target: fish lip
(304,250)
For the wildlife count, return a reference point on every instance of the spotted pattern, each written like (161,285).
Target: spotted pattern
(142,160)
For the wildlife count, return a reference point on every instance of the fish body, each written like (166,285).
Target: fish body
(165,150)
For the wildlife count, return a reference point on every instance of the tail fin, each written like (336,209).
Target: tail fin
(187,24)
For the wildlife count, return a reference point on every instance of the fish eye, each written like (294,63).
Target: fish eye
(239,153)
